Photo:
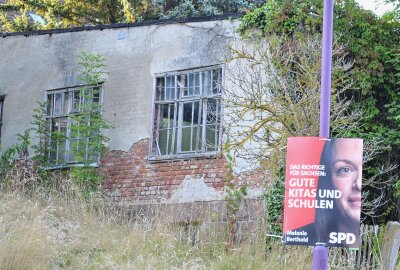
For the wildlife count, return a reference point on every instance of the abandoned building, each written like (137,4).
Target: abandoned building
(162,96)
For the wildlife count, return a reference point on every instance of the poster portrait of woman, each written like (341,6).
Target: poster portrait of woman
(333,196)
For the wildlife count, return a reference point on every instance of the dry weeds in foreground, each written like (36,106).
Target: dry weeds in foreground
(54,232)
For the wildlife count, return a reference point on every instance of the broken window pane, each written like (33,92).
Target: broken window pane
(212,137)
(67,143)
(160,89)
(164,116)
(166,136)
(194,84)
(50,104)
(166,142)
(66,103)
(187,114)
(190,122)
(76,101)
(162,141)
(182,86)
(54,125)
(212,124)
(207,82)
(186,139)
(58,139)
(211,111)
(217,81)
(194,138)
(167,115)
(58,104)
(191,119)
(63,126)
(196,113)
(170,88)
(53,151)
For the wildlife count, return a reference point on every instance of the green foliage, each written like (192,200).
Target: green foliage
(284,17)
(91,70)
(22,15)
(394,107)
(40,127)
(192,8)
(15,165)
(87,179)
(11,155)
(372,44)
(16,15)
(370,41)
(393,15)
(17,168)
(89,123)
(234,197)
(274,198)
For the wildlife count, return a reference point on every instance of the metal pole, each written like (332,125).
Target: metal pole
(320,253)
(326,69)
(320,257)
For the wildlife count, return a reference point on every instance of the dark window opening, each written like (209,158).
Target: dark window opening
(187,114)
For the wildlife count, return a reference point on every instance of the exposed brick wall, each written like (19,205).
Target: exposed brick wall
(129,176)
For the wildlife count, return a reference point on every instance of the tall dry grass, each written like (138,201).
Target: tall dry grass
(49,226)
(62,232)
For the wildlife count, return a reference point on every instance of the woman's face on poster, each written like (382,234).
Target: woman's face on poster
(346,176)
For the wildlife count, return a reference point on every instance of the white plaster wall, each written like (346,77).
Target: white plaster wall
(29,65)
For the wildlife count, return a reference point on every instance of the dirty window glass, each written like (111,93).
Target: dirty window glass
(187,113)
(62,104)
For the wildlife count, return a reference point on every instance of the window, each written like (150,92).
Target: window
(62,107)
(1,113)
(187,114)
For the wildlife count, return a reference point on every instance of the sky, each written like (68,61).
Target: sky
(376,6)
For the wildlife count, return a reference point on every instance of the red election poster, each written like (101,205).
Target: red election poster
(323,191)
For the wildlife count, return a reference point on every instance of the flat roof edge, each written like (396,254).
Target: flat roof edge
(125,25)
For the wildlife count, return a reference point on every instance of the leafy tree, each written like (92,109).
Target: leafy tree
(395,13)
(372,44)
(192,8)
(19,15)
(276,97)
(27,15)
(89,124)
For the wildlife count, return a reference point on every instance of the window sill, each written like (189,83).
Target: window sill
(209,155)
(69,165)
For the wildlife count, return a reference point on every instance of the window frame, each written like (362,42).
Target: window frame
(49,116)
(178,103)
